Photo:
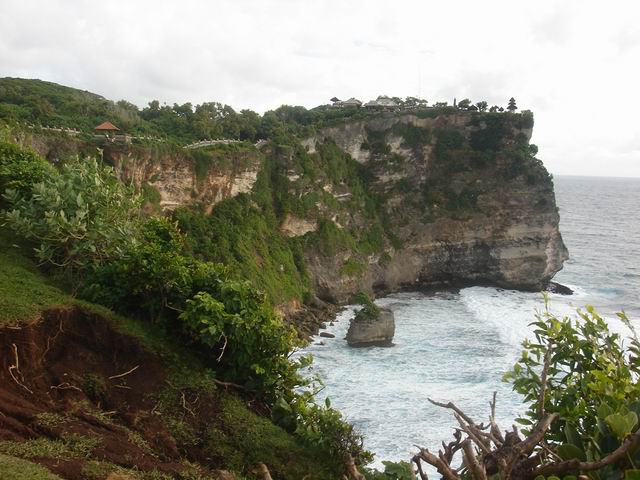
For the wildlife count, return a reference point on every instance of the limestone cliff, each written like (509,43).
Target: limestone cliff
(170,175)
(463,195)
(413,200)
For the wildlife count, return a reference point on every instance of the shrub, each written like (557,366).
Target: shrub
(21,168)
(490,137)
(81,216)
(252,343)
(369,309)
(592,382)
(150,275)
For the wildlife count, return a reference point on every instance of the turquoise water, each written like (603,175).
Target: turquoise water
(456,346)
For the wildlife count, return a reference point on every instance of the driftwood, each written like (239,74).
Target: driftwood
(486,451)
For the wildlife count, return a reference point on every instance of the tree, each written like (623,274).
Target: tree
(512,105)
(21,168)
(582,384)
(482,106)
(493,109)
(464,104)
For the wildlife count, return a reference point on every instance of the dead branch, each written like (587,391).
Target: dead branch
(224,346)
(543,381)
(264,471)
(228,384)
(65,386)
(125,373)
(630,443)
(439,463)
(474,434)
(184,405)
(477,470)
(495,430)
(16,368)
(423,475)
(451,406)
(352,470)
(49,340)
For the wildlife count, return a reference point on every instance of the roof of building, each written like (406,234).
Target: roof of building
(106,126)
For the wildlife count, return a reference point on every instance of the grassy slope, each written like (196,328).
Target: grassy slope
(236,439)
(24,292)
(12,468)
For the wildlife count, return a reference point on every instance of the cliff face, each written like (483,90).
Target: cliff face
(463,195)
(212,176)
(452,198)
(171,176)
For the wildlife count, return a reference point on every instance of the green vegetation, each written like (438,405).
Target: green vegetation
(369,309)
(592,382)
(70,446)
(414,137)
(24,293)
(20,168)
(80,217)
(12,468)
(491,136)
(246,439)
(352,268)
(149,276)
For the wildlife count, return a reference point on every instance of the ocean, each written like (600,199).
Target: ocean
(456,346)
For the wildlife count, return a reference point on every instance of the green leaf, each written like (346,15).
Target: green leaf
(572,436)
(632,475)
(622,425)
(568,451)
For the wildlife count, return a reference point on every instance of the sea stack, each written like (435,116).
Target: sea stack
(372,330)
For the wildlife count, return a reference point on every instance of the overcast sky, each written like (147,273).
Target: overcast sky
(576,64)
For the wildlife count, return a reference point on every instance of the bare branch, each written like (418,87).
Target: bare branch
(113,377)
(352,470)
(474,434)
(476,470)
(451,406)
(439,463)
(498,439)
(543,381)
(264,471)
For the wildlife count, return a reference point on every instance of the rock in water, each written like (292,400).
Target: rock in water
(327,335)
(555,287)
(378,331)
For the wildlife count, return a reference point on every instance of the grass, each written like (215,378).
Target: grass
(12,468)
(24,292)
(70,446)
(243,439)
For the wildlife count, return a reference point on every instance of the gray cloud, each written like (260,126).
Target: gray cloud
(573,63)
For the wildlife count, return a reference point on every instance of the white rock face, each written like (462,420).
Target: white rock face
(178,183)
(296,227)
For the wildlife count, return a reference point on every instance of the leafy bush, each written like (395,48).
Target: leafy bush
(591,379)
(414,137)
(151,274)
(253,344)
(490,137)
(21,168)
(81,216)
(369,309)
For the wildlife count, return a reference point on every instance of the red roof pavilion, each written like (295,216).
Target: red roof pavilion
(107,127)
